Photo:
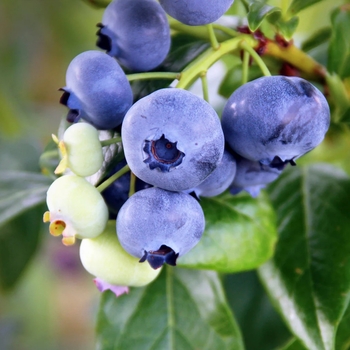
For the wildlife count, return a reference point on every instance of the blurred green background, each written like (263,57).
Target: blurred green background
(55,302)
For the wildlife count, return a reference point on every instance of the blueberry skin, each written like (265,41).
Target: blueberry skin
(191,127)
(136,33)
(252,176)
(196,12)
(97,90)
(275,117)
(220,179)
(153,217)
(116,194)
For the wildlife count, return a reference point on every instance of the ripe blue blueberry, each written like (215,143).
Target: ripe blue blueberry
(275,120)
(158,225)
(251,176)
(116,194)
(97,90)
(220,179)
(172,139)
(136,33)
(196,12)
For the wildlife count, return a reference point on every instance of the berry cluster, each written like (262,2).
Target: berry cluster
(175,148)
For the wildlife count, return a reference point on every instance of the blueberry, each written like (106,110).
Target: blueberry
(158,225)
(116,194)
(196,12)
(172,139)
(104,258)
(76,209)
(275,120)
(81,150)
(252,176)
(97,90)
(220,179)
(136,33)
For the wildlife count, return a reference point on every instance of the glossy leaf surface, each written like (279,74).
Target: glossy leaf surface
(257,13)
(339,47)
(308,278)
(182,309)
(240,234)
(298,5)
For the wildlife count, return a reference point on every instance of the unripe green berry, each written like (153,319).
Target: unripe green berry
(76,209)
(104,258)
(81,150)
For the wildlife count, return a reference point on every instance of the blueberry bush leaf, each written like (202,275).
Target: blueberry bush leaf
(254,312)
(342,341)
(320,36)
(339,47)
(240,234)
(288,27)
(297,5)
(22,195)
(19,192)
(293,344)
(257,13)
(19,237)
(308,279)
(181,309)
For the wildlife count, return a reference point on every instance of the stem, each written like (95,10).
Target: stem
(225,30)
(213,41)
(132,184)
(297,58)
(110,141)
(205,86)
(256,58)
(111,179)
(153,75)
(98,3)
(204,61)
(245,67)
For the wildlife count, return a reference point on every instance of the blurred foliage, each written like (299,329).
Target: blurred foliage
(54,304)
(37,41)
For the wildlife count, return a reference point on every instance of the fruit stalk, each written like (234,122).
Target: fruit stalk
(204,61)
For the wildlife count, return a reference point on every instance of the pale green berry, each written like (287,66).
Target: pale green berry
(81,150)
(104,258)
(76,209)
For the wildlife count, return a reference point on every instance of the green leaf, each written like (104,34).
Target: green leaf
(254,312)
(343,334)
(339,47)
(339,97)
(297,5)
(19,240)
(20,191)
(233,79)
(22,195)
(19,154)
(257,13)
(318,38)
(308,278)
(181,309)
(98,3)
(293,344)
(345,118)
(287,28)
(240,234)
